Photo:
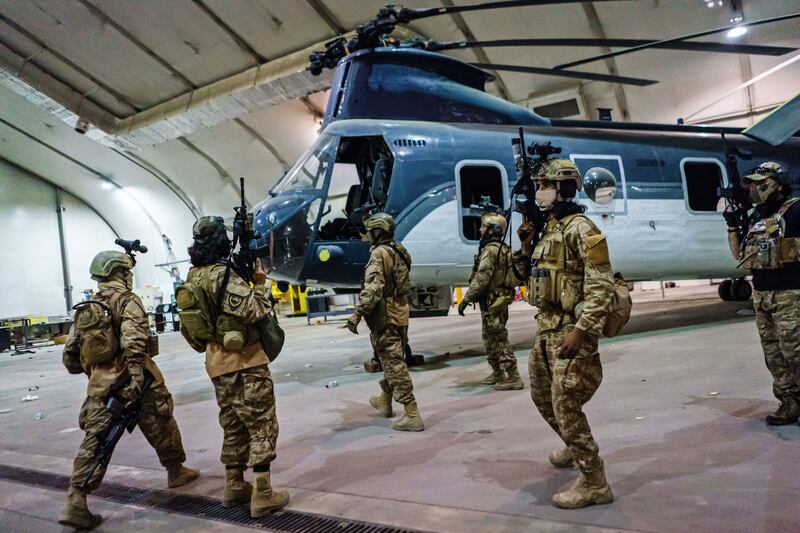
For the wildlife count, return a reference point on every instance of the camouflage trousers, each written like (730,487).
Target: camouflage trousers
(495,338)
(560,388)
(778,322)
(157,424)
(390,347)
(247,415)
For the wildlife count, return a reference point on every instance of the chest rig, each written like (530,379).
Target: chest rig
(766,247)
(556,281)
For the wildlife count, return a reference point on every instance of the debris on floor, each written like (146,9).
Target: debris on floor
(332,384)
(29,398)
(39,416)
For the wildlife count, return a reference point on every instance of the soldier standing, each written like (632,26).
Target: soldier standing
(771,250)
(383,304)
(120,359)
(236,364)
(492,284)
(572,284)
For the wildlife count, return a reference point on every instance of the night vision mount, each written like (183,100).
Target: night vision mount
(131,246)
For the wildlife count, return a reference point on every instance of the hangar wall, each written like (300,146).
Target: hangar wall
(31,282)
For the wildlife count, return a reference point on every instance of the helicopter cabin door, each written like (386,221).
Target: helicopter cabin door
(481,185)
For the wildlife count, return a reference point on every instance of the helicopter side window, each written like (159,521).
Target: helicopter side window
(480,187)
(359,185)
(702,179)
(309,171)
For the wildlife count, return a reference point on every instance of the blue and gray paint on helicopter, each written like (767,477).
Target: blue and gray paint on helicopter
(414,134)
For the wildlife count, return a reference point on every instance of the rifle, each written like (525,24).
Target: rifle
(124,416)
(736,197)
(243,261)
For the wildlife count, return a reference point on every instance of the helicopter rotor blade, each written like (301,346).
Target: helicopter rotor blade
(725,48)
(624,80)
(409,14)
(673,40)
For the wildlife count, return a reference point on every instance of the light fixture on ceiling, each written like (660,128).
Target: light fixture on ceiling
(738,31)
(105,184)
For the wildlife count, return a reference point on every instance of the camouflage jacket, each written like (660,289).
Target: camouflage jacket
(243,304)
(381,277)
(133,328)
(490,275)
(588,274)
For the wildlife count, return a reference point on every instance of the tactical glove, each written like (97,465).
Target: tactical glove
(462,306)
(352,323)
(730,218)
(133,390)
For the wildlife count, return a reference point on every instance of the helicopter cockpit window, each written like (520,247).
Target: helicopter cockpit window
(309,171)
(359,185)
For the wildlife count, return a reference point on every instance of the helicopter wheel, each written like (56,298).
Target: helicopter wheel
(724,290)
(741,290)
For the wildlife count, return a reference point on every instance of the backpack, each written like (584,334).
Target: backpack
(196,324)
(621,305)
(97,332)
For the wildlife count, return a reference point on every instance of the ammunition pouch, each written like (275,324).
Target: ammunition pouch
(271,335)
(152,345)
(542,289)
(770,253)
(376,320)
(570,291)
(234,334)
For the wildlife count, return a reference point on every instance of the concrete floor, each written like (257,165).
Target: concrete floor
(679,420)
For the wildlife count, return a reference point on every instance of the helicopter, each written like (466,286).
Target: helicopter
(414,133)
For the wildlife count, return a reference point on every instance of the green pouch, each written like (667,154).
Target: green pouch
(272,336)
(501,302)
(376,320)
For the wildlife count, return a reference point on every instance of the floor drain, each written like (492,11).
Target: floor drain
(202,506)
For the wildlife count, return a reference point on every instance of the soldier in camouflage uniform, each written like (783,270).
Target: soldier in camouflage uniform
(383,303)
(492,284)
(772,253)
(112,271)
(572,284)
(237,366)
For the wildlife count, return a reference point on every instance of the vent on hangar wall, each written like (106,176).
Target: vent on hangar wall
(560,104)
(409,142)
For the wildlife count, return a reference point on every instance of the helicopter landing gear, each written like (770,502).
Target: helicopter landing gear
(412,359)
(735,290)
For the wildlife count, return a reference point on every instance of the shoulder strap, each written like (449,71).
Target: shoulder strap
(398,252)
(787,205)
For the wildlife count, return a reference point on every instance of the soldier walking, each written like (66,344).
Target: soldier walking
(771,250)
(383,304)
(235,362)
(492,284)
(571,283)
(108,343)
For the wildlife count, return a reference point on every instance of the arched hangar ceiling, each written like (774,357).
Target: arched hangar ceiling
(199,92)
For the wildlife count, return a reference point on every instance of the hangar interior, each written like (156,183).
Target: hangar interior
(122,119)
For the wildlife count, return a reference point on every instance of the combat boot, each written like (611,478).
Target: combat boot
(561,458)
(411,420)
(237,491)
(496,375)
(788,413)
(76,513)
(179,475)
(588,489)
(265,500)
(511,380)
(383,403)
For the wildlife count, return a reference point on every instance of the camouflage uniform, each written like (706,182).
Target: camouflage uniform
(157,423)
(560,387)
(241,378)
(776,295)
(380,275)
(489,282)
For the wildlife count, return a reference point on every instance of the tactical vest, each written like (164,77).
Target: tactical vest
(501,289)
(396,289)
(765,246)
(556,279)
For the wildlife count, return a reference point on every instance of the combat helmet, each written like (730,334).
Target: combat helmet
(769,169)
(560,171)
(106,261)
(496,222)
(381,221)
(209,228)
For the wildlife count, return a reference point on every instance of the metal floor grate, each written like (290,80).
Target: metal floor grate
(202,506)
